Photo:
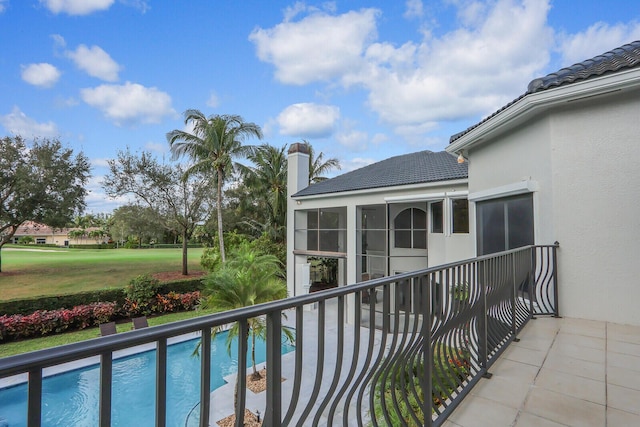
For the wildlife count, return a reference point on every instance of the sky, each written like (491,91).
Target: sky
(360,80)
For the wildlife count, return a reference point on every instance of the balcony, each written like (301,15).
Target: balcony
(361,357)
(563,372)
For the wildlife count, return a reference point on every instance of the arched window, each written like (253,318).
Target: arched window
(410,229)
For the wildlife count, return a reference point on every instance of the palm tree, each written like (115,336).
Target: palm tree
(247,278)
(268,179)
(318,166)
(212,146)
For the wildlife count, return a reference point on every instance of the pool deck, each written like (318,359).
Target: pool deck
(562,372)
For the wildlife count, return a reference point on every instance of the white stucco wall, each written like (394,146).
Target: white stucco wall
(518,156)
(584,159)
(596,175)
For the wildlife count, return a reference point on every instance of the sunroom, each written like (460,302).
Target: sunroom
(398,215)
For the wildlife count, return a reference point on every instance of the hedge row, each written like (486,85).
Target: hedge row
(93,246)
(117,295)
(45,322)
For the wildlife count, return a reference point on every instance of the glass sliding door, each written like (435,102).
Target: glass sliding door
(504,224)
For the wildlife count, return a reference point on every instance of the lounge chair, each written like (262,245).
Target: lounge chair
(140,322)
(108,328)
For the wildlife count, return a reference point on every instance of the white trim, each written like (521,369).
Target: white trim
(396,188)
(457,194)
(415,197)
(527,186)
(429,197)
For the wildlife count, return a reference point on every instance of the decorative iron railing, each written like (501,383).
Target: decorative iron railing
(401,350)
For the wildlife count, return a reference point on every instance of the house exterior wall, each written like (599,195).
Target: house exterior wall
(518,157)
(596,209)
(581,160)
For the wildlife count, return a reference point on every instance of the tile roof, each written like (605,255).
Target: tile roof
(623,57)
(414,168)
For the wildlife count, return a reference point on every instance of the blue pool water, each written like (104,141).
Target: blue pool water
(72,398)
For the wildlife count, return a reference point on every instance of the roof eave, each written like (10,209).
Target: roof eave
(533,103)
(454,181)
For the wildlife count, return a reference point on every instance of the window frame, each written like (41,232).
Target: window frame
(412,230)
(453,215)
(431,218)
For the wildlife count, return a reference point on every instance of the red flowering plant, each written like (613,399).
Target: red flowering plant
(45,322)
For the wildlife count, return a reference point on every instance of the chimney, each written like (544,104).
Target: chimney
(297,179)
(298,168)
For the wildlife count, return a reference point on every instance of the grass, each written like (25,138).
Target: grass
(54,271)
(25,346)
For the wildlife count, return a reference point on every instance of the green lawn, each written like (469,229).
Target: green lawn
(51,271)
(24,346)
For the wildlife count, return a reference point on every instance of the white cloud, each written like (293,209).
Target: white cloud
(18,123)
(213,100)
(141,5)
(100,163)
(66,102)
(157,147)
(95,62)
(473,70)
(42,74)
(379,138)
(318,47)
(130,103)
(3,5)
(308,120)
(415,9)
(468,72)
(58,41)
(77,7)
(355,163)
(595,40)
(354,140)
(97,200)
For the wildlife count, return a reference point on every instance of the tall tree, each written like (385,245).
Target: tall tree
(212,146)
(44,183)
(318,166)
(143,222)
(268,180)
(181,200)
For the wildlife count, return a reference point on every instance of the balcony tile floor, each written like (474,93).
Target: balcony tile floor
(563,372)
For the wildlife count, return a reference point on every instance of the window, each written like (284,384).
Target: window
(504,224)
(460,215)
(436,217)
(410,229)
(321,230)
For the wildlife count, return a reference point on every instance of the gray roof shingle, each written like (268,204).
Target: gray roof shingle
(414,168)
(621,58)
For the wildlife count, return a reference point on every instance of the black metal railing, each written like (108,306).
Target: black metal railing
(401,350)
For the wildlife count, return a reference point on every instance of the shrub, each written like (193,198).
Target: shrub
(29,305)
(176,302)
(26,240)
(44,322)
(140,293)
(94,246)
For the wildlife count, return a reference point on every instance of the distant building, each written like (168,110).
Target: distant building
(43,234)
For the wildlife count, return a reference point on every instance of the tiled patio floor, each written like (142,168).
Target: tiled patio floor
(563,372)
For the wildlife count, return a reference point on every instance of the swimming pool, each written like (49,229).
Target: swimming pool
(72,398)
